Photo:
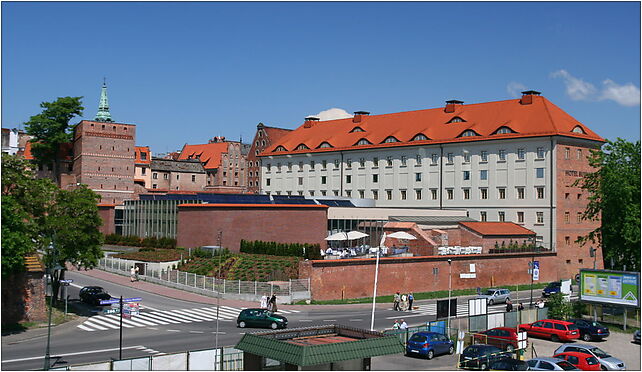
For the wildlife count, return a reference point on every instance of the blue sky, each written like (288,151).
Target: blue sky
(186,72)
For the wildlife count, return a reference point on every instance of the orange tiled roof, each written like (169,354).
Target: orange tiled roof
(209,153)
(63,153)
(142,149)
(497,228)
(33,264)
(541,118)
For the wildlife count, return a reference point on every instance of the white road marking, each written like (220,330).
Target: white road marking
(196,332)
(305,320)
(87,329)
(355,320)
(173,330)
(154,328)
(68,354)
(329,320)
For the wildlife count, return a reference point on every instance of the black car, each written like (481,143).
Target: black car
(590,330)
(509,365)
(481,356)
(554,287)
(93,295)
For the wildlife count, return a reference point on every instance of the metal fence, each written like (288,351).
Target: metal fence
(438,327)
(288,291)
(221,359)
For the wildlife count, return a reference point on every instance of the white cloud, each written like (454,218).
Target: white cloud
(577,89)
(625,95)
(332,114)
(515,89)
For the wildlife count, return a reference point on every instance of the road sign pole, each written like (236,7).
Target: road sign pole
(120,348)
(66,299)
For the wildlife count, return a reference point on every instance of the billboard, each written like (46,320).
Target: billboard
(610,287)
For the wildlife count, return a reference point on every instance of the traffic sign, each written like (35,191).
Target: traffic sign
(111,311)
(110,301)
(535,270)
(66,281)
(133,299)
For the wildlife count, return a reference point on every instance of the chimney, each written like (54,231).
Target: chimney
(527,96)
(309,120)
(450,105)
(357,116)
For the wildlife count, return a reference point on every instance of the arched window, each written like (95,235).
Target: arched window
(280,148)
(324,145)
(302,147)
(578,129)
(468,133)
(504,130)
(357,129)
(390,140)
(456,119)
(420,137)
(362,142)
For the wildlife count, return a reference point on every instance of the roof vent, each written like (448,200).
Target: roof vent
(357,116)
(527,96)
(309,120)
(450,105)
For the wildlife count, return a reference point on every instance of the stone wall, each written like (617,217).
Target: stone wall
(23,298)
(107,214)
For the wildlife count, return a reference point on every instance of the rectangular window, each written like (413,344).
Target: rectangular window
(336,192)
(300,180)
(375,178)
(143,156)
(540,153)
(433,194)
(362,162)
(403,194)
(539,172)
(165,176)
(289,193)
(483,217)
(434,159)
(579,217)
(483,175)
(567,153)
(466,194)
(466,157)
(404,160)
(567,217)
(466,175)
(300,166)
(362,194)
(290,166)
(312,164)
(389,194)
(349,193)
(375,162)
(193,178)
(450,157)
(268,167)
(520,217)
(450,194)
(375,194)
(502,155)
(520,154)
(267,182)
(155,176)
(579,196)
(417,177)
(418,194)
(579,154)
(154,186)
(501,216)
(540,217)
(567,240)
(501,193)
(311,192)
(484,156)
(300,192)
(348,179)
(324,164)
(483,193)
(540,193)
(324,179)
(389,161)
(323,193)
(336,163)
(418,160)
(143,171)
(520,193)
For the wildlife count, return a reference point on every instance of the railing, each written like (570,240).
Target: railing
(288,291)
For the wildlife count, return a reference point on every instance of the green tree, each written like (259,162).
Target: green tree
(614,196)
(558,307)
(50,129)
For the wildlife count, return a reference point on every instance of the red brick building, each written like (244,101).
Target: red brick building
(23,294)
(263,139)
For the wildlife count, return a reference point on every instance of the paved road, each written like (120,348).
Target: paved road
(171,325)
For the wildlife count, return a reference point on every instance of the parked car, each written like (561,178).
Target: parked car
(554,287)
(429,344)
(636,336)
(509,364)
(481,356)
(550,364)
(609,362)
(495,295)
(93,295)
(260,318)
(555,330)
(503,337)
(590,330)
(585,362)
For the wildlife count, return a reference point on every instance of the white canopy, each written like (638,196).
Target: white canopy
(401,235)
(340,236)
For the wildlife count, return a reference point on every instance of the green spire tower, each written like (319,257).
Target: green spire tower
(103,106)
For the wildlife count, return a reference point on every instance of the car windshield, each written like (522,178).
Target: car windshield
(599,352)
(489,292)
(418,338)
(572,327)
(596,324)
(591,361)
(566,365)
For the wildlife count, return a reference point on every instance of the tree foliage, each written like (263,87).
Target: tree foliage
(558,307)
(614,196)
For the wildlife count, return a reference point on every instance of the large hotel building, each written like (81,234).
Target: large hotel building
(514,160)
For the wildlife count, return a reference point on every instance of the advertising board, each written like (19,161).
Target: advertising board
(610,287)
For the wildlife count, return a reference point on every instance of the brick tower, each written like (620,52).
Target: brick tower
(104,154)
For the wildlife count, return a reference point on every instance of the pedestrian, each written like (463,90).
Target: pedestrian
(540,304)
(273,303)
(264,301)
(520,307)
(509,306)
(395,325)
(403,324)
(410,299)
(137,269)
(395,301)
(132,274)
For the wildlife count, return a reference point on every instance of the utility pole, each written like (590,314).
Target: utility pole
(53,266)
(120,347)
(218,292)
(450,278)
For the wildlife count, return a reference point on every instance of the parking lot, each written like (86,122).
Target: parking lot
(617,344)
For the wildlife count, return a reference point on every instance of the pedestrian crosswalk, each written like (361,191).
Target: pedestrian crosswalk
(148,318)
(431,309)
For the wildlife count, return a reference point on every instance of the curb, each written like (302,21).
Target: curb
(40,332)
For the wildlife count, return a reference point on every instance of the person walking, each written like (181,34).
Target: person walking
(273,307)
(395,325)
(132,274)
(264,301)
(403,324)
(520,307)
(136,273)
(509,306)
(410,299)
(395,301)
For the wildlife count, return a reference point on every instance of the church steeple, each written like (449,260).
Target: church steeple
(103,106)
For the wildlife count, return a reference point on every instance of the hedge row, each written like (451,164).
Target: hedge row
(305,250)
(134,241)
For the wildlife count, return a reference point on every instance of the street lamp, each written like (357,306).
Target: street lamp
(374,295)
(450,279)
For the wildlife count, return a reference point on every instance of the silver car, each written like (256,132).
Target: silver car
(606,360)
(495,295)
(550,364)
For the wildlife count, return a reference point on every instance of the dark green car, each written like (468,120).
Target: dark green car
(260,318)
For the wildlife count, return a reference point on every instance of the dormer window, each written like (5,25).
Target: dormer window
(504,130)
(420,137)
(456,119)
(469,133)
(302,147)
(362,142)
(324,145)
(280,148)
(357,129)
(390,140)
(578,129)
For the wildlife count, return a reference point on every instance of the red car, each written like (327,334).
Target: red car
(585,362)
(556,330)
(503,337)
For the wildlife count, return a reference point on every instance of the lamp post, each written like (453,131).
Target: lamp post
(218,292)
(53,266)
(374,294)
(450,279)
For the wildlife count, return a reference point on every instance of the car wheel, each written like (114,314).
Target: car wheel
(555,338)
(241,324)
(274,325)
(430,354)
(491,302)
(603,368)
(510,348)
(586,337)
(451,350)
(483,367)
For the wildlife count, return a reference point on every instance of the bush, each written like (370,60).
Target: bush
(147,249)
(281,249)
(558,307)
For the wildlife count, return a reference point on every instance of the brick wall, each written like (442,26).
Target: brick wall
(23,298)
(107,213)
(198,225)
(354,278)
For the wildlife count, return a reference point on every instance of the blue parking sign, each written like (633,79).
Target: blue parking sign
(535,270)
